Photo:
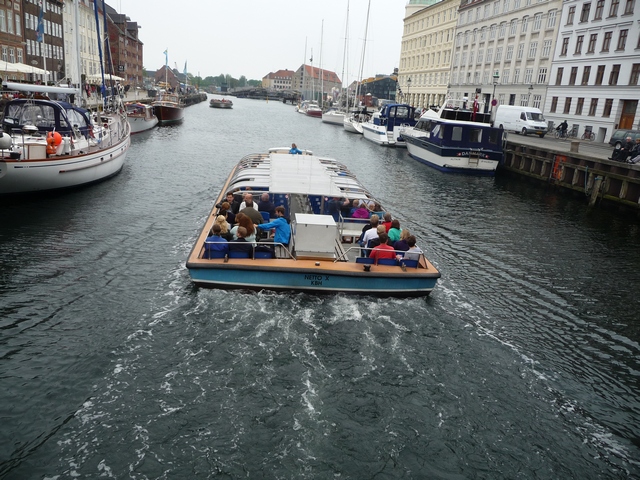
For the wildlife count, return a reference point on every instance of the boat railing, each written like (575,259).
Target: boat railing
(399,256)
(279,250)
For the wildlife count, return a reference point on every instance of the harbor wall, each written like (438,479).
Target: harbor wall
(598,179)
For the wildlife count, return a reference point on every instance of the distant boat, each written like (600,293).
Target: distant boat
(51,145)
(333,116)
(384,125)
(220,103)
(141,117)
(168,108)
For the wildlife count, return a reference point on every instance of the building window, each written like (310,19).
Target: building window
(593,107)
(613,76)
(567,105)
(622,39)
(579,41)
(18,26)
(600,74)
(608,105)
(520,51)
(542,75)
(537,22)
(546,49)
(505,76)
(502,30)
(525,24)
(554,104)
(571,14)
(4,54)
(574,74)
(635,73)
(599,9)
(586,73)
(613,10)
(498,54)
(516,75)
(3,21)
(607,41)
(584,15)
(509,52)
(628,8)
(559,75)
(513,28)
(551,19)
(593,38)
(533,48)
(565,46)
(579,106)
(528,73)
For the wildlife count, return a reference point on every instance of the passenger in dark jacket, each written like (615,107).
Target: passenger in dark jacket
(266,205)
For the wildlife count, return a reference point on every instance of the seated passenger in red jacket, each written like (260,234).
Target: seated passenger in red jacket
(383,250)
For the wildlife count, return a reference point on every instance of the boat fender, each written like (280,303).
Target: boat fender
(66,142)
(5,141)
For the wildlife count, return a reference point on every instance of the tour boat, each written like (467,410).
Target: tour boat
(456,139)
(383,128)
(141,117)
(50,145)
(321,255)
(168,108)
(220,103)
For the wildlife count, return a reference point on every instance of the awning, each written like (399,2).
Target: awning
(97,79)
(21,68)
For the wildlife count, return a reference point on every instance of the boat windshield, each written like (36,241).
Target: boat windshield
(40,115)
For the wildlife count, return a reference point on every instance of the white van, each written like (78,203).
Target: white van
(520,120)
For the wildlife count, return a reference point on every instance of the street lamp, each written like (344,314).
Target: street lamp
(496,77)
(409,88)
(529,98)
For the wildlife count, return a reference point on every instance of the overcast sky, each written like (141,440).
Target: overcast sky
(256,37)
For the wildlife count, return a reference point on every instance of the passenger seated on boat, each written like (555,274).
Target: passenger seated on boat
(281,226)
(252,212)
(414,251)
(248,202)
(359,209)
(402,245)
(335,205)
(372,235)
(394,232)
(233,202)
(225,210)
(383,250)
(266,205)
(224,227)
(214,242)
(387,221)
(250,229)
(373,223)
(240,244)
(376,209)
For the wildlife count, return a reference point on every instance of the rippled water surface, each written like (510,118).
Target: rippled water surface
(523,363)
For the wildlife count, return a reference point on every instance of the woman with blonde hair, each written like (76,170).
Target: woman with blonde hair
(402,244)
(246,222)
(224,227)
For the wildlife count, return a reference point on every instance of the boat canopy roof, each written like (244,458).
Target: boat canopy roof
(284,173)
(46,115)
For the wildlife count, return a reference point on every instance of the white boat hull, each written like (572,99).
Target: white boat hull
(351,125)
(379,135)
(333,117)
(54,173)
(139,124)
(453,164)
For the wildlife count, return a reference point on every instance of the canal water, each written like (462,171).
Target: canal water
(523,363)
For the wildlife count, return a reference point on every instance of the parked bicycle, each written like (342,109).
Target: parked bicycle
(588,135)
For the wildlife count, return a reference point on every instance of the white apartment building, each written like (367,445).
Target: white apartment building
(425,56)
(503,50)
(87,38)
(596,67)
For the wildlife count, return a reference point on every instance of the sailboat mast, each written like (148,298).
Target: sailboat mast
(321,71)
(364,46)
(344,56)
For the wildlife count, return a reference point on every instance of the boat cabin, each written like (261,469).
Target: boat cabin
(394,115)
(22,115)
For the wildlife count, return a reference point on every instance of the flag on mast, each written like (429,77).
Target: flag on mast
(166,57)
(40,28)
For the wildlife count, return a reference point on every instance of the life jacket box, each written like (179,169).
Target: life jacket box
(315,235)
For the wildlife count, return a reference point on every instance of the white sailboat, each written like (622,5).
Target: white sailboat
(332,115)
(50,145)
(353,121)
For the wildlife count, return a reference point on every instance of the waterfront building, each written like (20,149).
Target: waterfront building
(503,50)
(87,46)
(126,47)
(11,38)
(596,68)
(280,80)
(310,81)
(380,87)
(46,51)
(425,56)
